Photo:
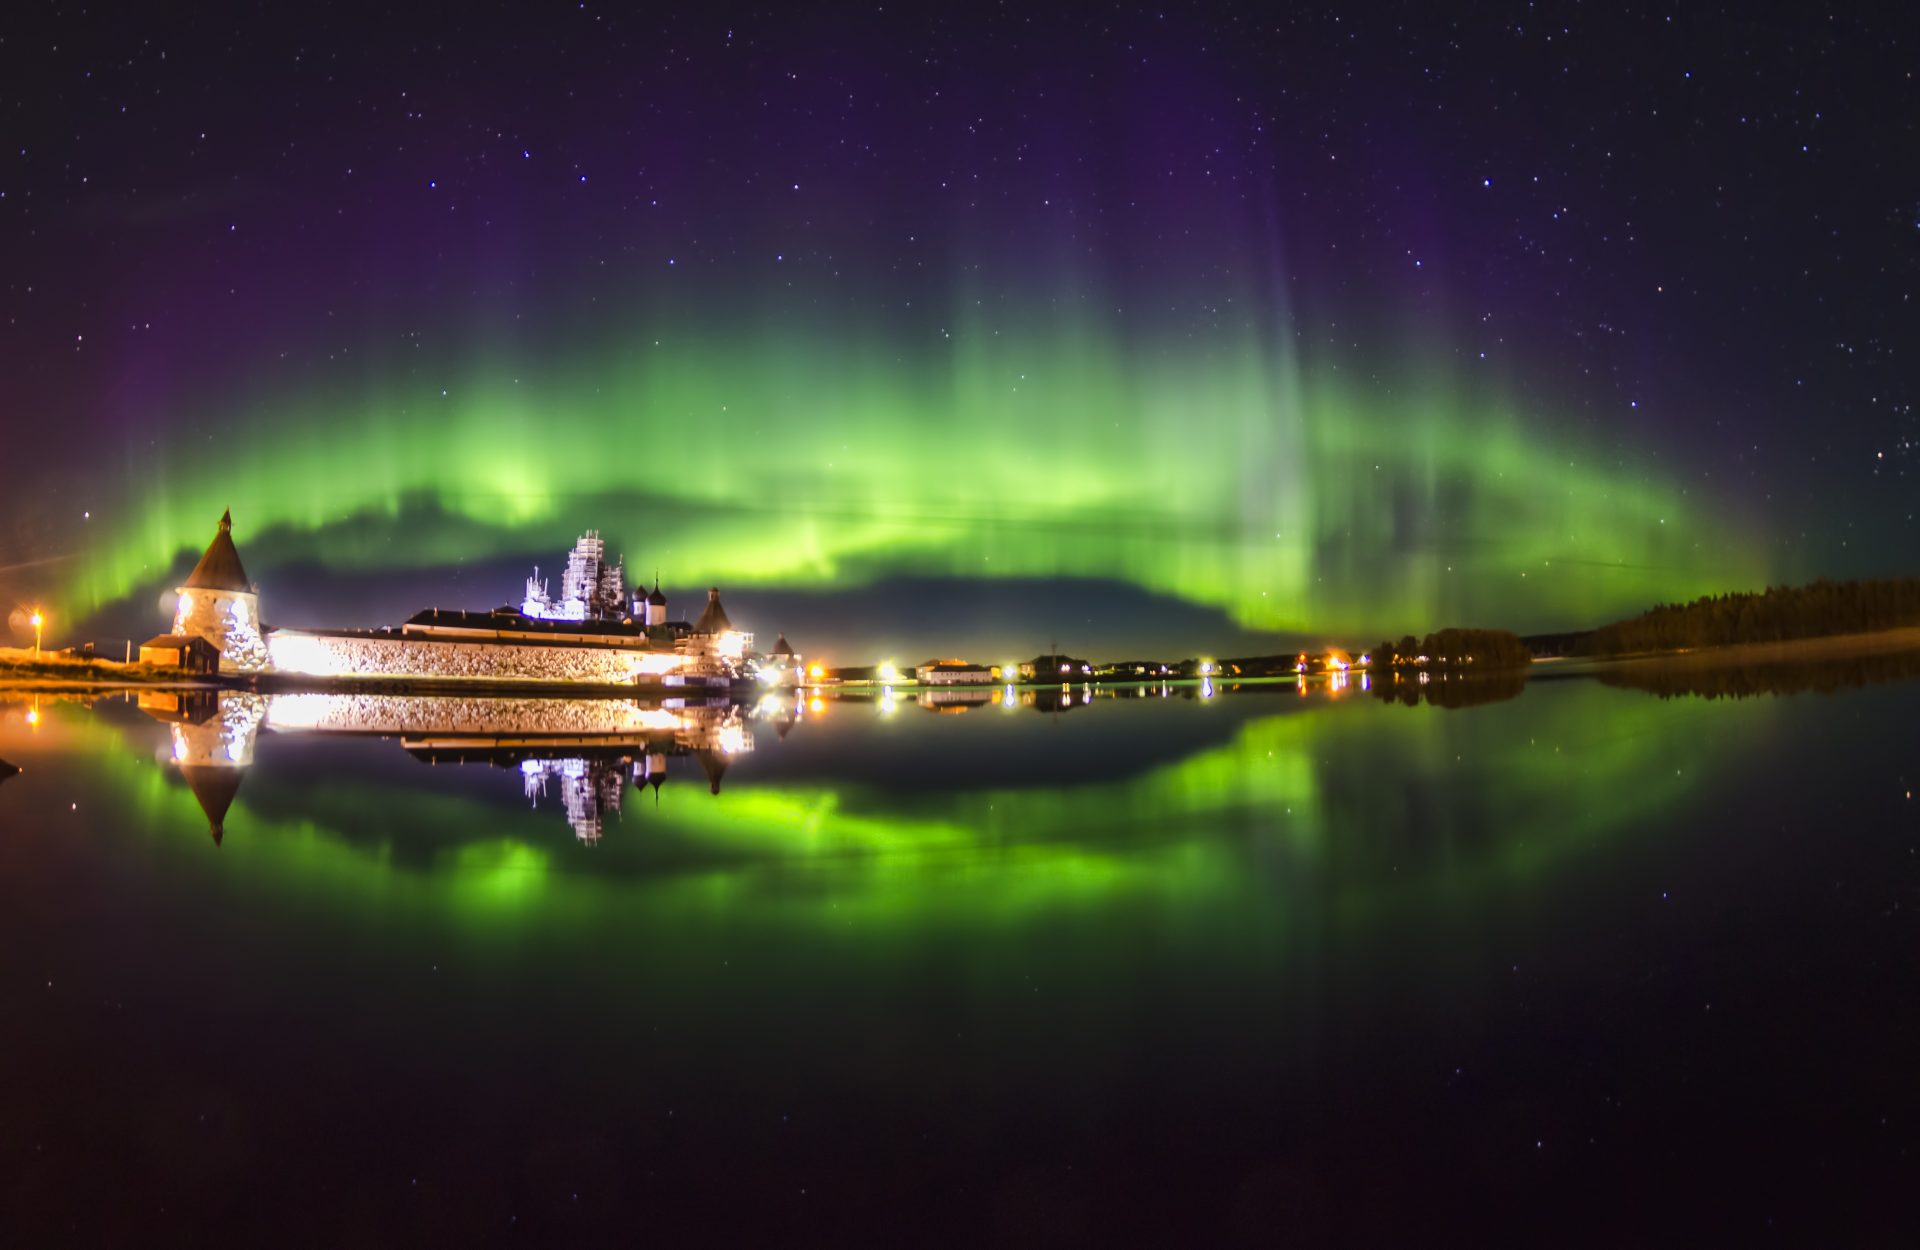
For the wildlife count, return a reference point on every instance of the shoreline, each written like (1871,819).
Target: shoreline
(19,672)
(1799,650)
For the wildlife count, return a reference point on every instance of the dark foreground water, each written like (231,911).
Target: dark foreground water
(1587,965)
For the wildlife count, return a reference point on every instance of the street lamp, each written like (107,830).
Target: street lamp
(36,621)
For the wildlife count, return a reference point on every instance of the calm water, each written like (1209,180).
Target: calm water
(1584,964)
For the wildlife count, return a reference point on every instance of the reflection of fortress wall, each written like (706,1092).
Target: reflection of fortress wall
(360,655)
(508,720)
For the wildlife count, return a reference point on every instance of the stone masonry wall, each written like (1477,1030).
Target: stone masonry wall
(229,619)
(336,655)
(469,714)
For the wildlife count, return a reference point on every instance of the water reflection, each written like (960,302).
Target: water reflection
(1741,675)
(1445,689)
(586,750)
(843,777)
(1286,934)
(213,736)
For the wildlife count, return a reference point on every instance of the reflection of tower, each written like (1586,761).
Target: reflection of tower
(589,789)
(714,764)
(217,603)
(652,769)
(213,737)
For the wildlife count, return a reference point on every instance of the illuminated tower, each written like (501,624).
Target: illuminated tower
(218,604)
(783,667)
(612,600)
(590,588)
(713,619)
(656,605)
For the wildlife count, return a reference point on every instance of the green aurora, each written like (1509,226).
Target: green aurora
(1289,496)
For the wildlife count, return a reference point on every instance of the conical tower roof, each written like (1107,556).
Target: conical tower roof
(782,647)
(713,619)
(215,788)
(220,568)
(714,765)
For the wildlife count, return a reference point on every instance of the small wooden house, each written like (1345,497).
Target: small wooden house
(189,653)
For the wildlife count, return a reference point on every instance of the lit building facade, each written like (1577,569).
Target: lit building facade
(953,673)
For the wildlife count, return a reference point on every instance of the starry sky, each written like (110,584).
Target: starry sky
(1171,328)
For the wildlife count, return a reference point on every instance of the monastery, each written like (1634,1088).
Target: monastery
(596,632)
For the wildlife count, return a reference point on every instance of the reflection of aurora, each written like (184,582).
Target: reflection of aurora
(1346,806)
(1287,503)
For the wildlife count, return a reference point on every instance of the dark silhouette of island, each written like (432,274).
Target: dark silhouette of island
(1777,614)
(1485,649)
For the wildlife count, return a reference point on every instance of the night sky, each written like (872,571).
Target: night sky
(1171,328)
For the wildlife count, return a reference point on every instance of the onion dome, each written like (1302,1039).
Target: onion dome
(657,599)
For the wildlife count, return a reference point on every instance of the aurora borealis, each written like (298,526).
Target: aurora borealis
(1309,324)
(1310,538)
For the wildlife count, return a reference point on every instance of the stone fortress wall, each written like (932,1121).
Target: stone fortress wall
(359,655)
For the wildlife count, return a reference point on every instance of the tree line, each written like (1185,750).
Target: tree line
(1482,648)
(1777,614)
